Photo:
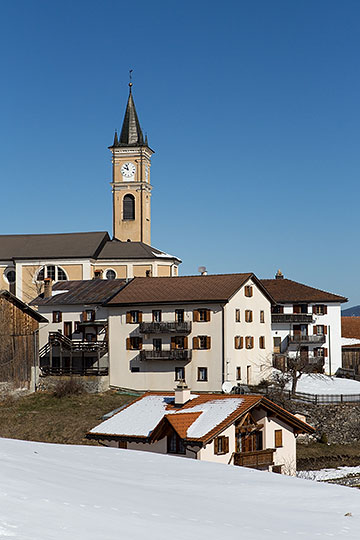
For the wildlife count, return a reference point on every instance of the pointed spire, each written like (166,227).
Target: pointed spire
(116,141)
(131,134)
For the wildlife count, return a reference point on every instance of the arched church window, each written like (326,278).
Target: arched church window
(56,273)
(129,207)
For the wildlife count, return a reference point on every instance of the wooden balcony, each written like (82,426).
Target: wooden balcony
(256,460)
(172,354)
(298,318)
(165,327)
(298,339)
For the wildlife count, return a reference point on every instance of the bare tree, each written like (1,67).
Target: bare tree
(293,366)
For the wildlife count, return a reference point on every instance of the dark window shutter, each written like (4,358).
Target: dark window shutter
(185,342)
(296,309)
(325,329)
(278,438)
(128,344)
(84,317)
(325,310)
(140,316)
(325,351)
(216,445)
(208,315)
(196,315)
(237,342)
(314,309)
(314,330)
(140,344)
(173,343)
(208,342)
(226,445)
(128,316)
(241,342)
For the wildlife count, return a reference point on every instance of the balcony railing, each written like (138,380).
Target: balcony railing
(257,459)
(306,318)
(284,362)
(173,354)
(300,339)
(165,327)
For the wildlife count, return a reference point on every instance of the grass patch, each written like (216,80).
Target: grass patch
(46,418)
(319,456)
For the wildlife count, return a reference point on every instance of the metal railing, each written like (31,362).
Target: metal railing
(172,354)
(291,318)
(299,339)
(165,327)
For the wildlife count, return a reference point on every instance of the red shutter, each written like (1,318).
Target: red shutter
(314,309)
(296,309)
(325,351)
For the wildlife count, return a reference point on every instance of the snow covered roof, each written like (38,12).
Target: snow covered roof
(350,342)
(199,419)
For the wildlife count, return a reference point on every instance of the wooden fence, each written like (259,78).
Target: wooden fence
(316,399)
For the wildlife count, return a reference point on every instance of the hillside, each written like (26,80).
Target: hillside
(351,312)
(65,492)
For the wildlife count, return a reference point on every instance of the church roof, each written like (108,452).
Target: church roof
(91,291)
(116,249)
(52,246)
(131,133)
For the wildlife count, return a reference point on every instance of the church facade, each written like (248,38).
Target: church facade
(26,260)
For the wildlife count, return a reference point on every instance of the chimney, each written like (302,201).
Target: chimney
(202,270)
(182,393)
(279,275)
(47,288)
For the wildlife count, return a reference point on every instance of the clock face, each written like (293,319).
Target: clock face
(128,170)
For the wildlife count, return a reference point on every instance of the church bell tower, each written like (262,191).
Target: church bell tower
(131,189)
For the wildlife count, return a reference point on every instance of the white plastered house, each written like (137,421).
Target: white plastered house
(249,430)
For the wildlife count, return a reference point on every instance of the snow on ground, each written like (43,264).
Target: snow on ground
(58,492)
(322,384)
(329,474)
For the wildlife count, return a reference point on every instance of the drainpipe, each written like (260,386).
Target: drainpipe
(223,344)
(329,332)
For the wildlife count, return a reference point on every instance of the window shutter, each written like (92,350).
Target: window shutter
(296,309)
(216,445)
(128,316)
(173,343)
(84,316)
(237,342)
(196,342)
(241,342)
(314,309)
(128,344)
(315,330)
(278,438)
(325,351)
(140,344)
(226,445)
(196,315)
(185,342)
(140,316)
(325,330)
(208,342)
(208,315)
(325,310)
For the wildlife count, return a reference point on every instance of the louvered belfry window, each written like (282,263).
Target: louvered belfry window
(128,207)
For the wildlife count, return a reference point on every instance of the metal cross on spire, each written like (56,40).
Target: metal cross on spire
(130,78)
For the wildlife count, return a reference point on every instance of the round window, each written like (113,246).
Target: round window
(11,276)
(110,274)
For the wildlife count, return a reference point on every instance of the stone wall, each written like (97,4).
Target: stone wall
(91,384)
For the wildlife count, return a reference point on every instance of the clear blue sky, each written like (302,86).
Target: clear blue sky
(252,109)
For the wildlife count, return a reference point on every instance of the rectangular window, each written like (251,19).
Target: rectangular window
(175,445)
(277,309)
(202,342)
(239,342)
(221,445)
(156,315)
(262,342)
(277,345)
(203,315)
(157,344)
(319,352)
(179,374)
(248,290)
(88,315)
(134,317)
(179,315)
(134,343)
(262,316)
(248,315)
(202,374)
(320,309)
(68,329)
(238,373)
(56,316)
(237,315)
(319,330)
(77,329)
(249,342)
(278,438)
(178,342)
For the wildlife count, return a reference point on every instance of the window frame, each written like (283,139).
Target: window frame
(128,214)
(179,315)
(278,438)
(262,316)
(248,291)
(248,315)
(156,315)
(237,315)
(262,342)
(204,376)
(57,316)
(45,270)
(249,342)
(177,371)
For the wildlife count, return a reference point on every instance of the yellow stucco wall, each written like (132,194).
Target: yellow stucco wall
(140,269)
(164,271)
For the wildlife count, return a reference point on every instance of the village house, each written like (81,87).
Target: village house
(350,332)
(249,430)
(19,342)
(307,322)
(27,259)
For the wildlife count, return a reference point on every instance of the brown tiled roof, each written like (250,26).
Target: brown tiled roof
(350,327)
(182,422)
(286,290)
(182,289)
(91,291)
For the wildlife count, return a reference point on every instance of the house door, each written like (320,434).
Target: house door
(249,442)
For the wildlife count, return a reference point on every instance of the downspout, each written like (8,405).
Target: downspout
(329,332)
(223,344)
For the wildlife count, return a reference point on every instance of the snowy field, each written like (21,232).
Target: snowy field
(321,384)
(53,492)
